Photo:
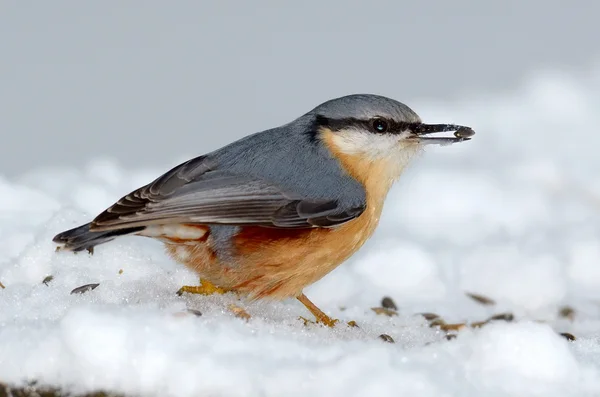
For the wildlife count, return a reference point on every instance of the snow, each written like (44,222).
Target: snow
(513,215)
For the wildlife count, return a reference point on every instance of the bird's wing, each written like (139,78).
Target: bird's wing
(194,193)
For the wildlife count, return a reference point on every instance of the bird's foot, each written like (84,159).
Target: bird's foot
(327,321)
(320,317)
(206,288)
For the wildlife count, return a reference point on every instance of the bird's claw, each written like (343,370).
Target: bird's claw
(206,288)
(327,321)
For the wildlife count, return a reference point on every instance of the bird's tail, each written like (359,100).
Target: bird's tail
(81,238)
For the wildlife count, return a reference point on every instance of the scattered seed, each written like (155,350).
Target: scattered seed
(120,271)
(450,336)
(567,312)
(430,316)
(2,285)
(239,312)
(502,317)
(84,288)
(47,279)
(478,324)
(388,303)
(437,322)
(384,311)
(195,312)
(484,300)
(386,338)
(497,317)
(352,323)
(452,327)
(568,336)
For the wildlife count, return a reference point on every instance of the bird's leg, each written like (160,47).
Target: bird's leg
(205,288)
(321,317)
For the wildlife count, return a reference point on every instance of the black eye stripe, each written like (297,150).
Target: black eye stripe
(391,126)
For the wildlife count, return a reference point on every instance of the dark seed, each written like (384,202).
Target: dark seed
(84,288)
(386,338)
(567,312)
(568,336)
(450,336)
(452,327)
(464,132)
(429,316)
(502,317)
(47,279)
(384,311)
(484,300)
(497,317)
(478,324)
(353,324)
(195,312)
(438,322)
(388,303)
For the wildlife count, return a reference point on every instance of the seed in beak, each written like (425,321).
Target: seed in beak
(464,132)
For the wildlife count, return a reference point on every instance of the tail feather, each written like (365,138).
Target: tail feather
(81,238)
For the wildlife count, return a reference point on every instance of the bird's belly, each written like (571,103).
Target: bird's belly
(276,263)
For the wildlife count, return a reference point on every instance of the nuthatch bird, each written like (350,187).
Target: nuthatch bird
(274,212)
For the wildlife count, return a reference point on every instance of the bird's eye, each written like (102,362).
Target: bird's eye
(380,125)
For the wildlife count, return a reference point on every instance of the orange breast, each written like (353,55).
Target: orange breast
(276,263)
(281,263)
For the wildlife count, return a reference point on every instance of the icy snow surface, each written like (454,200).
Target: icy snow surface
(513,215)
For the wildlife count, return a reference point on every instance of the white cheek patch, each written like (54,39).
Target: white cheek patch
(375,146)
(393,149)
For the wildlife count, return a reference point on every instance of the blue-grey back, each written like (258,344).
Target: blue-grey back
(291,158)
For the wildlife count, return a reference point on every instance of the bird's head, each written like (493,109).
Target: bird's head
(376,130)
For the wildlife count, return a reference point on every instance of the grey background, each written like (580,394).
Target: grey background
(148,82)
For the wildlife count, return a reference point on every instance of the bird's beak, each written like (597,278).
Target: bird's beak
(420,132)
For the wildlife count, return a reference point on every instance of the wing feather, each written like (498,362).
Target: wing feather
(195,193)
